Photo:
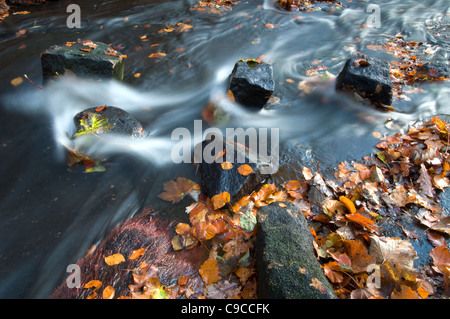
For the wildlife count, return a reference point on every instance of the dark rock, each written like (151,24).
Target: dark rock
(215,179)
(434,69)
(116,121)
(88,59)
(286,264)
(252,83)
(367,76)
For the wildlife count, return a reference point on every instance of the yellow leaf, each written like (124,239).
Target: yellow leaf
(17,81)
(220,200)
(348,203)
(226,165)
(114,259)
(108,293)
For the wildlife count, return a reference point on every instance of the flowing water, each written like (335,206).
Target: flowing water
(49,216)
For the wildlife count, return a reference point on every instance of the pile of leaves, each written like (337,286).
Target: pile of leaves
(408,69)
(404,176)
(214,6)
(303,5)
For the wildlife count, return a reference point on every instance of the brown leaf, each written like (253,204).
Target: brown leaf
(425,182)
(359,219)
(174,191)
(399,252)
(405,293)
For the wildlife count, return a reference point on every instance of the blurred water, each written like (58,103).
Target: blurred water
(49,216)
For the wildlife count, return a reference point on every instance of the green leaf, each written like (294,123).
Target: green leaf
(248,221)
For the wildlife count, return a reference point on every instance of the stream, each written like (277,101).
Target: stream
(50,217)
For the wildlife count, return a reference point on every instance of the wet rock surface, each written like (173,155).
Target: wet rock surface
(86,59)
(252,83)
(367,76)
(286,263)
(215,179)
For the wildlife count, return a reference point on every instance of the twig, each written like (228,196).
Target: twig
(26,77)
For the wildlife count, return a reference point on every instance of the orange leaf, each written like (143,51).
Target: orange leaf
(245,170)
(100,108)
(244,274)
(441,256)
(136,253)
(269,26)
(157,54)
(114,259)
(182,280)
(93,284)
(349,204)
(182,228)
(405,293)
(108,292)
(220,200)
(361,220)
(226,165)
(209,271)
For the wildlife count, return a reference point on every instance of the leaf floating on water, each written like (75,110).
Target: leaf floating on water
(226,165)
(114,259)
(174,191)
(156,55)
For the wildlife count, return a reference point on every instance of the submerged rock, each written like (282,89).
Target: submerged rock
(87,59)
(216,178)
(286,264)
(252,83)
(367,76)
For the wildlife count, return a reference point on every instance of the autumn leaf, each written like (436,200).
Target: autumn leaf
(209,271)
(93,284)
(245,169)
(441,258)
(348,203)
(244,273)
(425,182)
(226,165)
(114,259)
(318,285)
(136,254)
(108,292)
(248,221)
(220,200)
(397,251)
(100,108)
(174,191)
(359,219)
(443,225)
(405,292)
(156,55)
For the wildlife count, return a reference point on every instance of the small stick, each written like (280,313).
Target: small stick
(26,77)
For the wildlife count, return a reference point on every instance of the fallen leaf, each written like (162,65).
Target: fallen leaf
(399,252)
(209,271)
(108,292)
(359,219)
(137,253)
(220,200)
(226,165)
(93,284)
(443,225)
(405,293)
(114,259)
(318,285)
(245,169)
(174,191)
(348,203)
(156,55)
(17,81)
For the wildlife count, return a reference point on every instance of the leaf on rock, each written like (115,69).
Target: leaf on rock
(137,253)
(209,271)
(114,259)
(245,169)
(93,284)
(220,200)
(174,191)
(226,165)
(108,292)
